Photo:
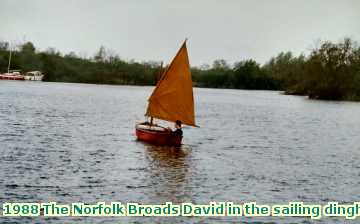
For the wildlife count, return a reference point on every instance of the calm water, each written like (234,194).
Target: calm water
(75,142)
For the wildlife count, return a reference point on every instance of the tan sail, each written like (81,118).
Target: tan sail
(173,98)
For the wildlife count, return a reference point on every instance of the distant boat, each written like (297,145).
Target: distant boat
(171,100)
(34,76)
(16,75)
(11,74)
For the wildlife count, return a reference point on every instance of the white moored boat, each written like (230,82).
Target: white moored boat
(34,76)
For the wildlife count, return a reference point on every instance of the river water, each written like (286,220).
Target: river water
(70,143)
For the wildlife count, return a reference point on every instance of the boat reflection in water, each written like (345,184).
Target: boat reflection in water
(169,173)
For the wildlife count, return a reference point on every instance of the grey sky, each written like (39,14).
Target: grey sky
(154,29)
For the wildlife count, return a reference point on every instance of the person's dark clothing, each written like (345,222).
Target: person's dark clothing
(178,132)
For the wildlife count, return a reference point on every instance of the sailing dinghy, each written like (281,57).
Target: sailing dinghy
(171,100)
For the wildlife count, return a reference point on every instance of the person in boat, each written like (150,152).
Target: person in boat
(178,130)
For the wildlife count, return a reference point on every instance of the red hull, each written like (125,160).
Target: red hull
(158,137)
(12,77)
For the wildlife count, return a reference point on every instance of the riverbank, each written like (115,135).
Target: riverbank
(330,72)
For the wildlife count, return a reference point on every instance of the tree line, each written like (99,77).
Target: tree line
(331,71)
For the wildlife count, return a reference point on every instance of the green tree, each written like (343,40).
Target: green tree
(100,56)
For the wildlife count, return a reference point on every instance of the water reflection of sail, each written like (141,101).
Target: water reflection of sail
(168,173)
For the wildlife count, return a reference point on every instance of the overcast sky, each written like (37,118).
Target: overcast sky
(154,29)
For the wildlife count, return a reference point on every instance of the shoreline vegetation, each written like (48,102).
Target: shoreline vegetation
(330,72)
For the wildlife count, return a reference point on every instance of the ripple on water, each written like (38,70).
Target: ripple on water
(252,146)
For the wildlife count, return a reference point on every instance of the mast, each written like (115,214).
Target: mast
(160,72)
(9,60)
(157,80)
